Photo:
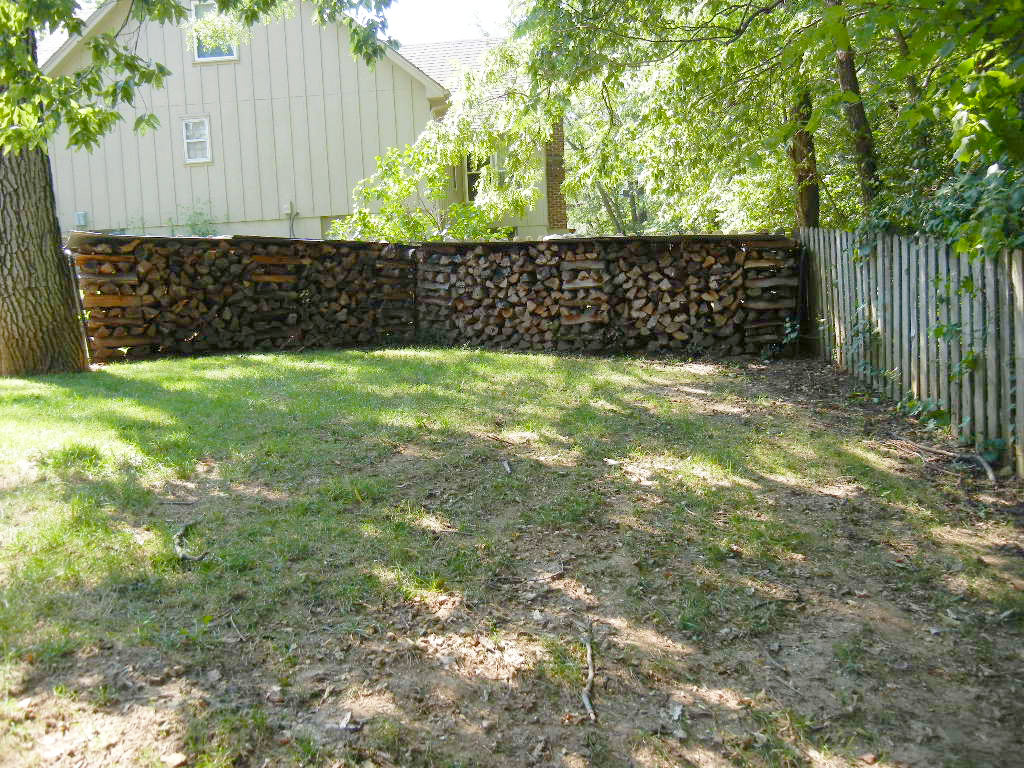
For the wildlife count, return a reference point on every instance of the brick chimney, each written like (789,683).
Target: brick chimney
(554,167)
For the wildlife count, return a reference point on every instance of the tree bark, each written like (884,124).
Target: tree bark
(805,165)
(40,326)
(913,87)
(857,119)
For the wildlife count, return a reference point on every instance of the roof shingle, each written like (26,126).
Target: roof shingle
(447,62)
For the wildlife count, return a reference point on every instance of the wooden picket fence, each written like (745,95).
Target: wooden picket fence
(915,320)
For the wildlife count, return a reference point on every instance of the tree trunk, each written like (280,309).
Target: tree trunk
(805,165)
(857,119)
(913,87)
(40,325)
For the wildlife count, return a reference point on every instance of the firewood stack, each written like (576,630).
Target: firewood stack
(654,294)
(696,295)
(680,296)
(771,288)
(148,296)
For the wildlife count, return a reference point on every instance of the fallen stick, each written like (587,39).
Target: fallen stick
(589,687)
(501,439)
(241,637)
(930,449)
(977,457)
(987,467)
(179,545)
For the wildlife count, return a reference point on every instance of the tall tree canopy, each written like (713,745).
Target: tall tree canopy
(759,115)
(40,330)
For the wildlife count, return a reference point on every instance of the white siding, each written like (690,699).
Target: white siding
(295,119)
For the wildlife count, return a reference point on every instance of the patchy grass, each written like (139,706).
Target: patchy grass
(401,548)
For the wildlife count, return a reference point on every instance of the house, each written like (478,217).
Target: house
(266,138)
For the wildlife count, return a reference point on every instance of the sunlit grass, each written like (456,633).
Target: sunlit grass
(332,484)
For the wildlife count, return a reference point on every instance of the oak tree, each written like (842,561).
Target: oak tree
(40,322)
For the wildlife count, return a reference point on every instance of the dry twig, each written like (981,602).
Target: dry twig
(589,687)
(987,467)
(179,545)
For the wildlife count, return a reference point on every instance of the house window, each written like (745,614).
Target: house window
(474,166)
(210,52)
(196,132)
(474,170)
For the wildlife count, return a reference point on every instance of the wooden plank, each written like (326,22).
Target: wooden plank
(764,282)
(913,358)
(273,278)
(1017,279)
(966,346)
(867,270)
(885,304)
(978,345)
(773,304)
(910,277)
(121,279)
(823,293)
(932,307)
(770,245)
(857,311)
(585,264)
(956,411)
(849,304)
(1005,351)
(113,342)
(841,296)
(93,301)
(894,329)
(832,245)
(943,299)
(866,309)
(892,298)
(992,426)
(874,285)
(828,289)
(257,258)
(921,259)
(83,258)
(900,327)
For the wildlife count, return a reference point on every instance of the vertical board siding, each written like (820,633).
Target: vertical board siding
(913,318)
(295,118)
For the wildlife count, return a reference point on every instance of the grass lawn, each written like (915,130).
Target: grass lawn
(405,551)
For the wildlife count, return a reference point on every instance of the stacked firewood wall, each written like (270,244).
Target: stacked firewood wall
(701,295)
(147,296)
(719,295)
(771,288)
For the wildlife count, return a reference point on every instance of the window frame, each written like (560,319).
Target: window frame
(195,48)
(495,161)
(185,140)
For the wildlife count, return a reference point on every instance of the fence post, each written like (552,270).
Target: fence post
(1017,273)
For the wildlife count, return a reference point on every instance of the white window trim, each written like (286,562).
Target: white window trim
(195,49)
(495,161)
(185,140)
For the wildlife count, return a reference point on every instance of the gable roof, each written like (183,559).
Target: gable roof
(447,62)
(54,48)
(433,86)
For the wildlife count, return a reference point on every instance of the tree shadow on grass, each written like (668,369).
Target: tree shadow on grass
(368,540)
